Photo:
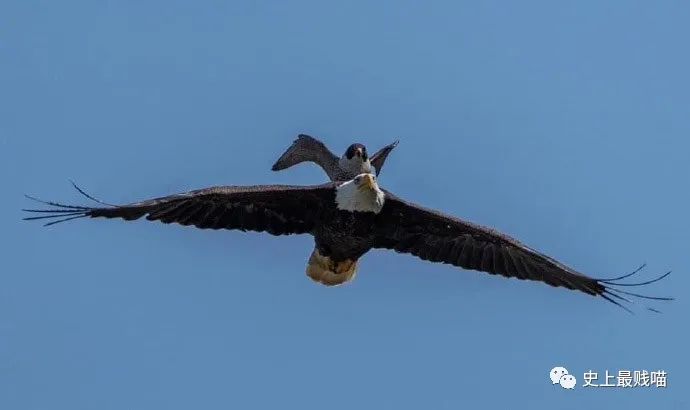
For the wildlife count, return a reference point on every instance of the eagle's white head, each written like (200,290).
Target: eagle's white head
(360,194)
(355,160)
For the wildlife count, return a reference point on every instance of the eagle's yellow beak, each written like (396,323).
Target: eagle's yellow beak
(367,181)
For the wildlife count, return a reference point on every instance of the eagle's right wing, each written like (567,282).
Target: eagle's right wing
(276,209)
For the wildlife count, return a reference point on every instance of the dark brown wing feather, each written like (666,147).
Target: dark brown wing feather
(435,237)
(276,209)
(380,156)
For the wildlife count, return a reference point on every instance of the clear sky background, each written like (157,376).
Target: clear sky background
(564,124)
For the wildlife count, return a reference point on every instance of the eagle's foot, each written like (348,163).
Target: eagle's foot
(324,270)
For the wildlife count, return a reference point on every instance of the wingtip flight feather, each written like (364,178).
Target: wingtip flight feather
(611,289)
(62,212)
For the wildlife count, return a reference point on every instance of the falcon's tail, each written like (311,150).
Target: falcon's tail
(328,272)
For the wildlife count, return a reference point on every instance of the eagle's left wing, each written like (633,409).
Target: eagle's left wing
(276,209)
(435,237)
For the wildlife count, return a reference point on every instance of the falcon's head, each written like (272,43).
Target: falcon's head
(356,160)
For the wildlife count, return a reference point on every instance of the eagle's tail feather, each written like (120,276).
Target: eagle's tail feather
(326,271)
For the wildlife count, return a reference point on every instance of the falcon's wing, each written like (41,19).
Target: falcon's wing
(380,156)
(308,149)
(276,209)
(435,237)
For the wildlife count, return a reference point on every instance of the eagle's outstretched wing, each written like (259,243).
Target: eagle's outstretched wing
(306,148)
(433,236)
(380,156)
(276,209)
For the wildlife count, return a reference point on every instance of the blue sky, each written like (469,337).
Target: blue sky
(562,124)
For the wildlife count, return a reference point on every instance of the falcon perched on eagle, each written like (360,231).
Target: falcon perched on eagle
(348,217)
(354,161)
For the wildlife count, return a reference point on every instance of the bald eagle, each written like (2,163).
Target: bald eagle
(347,219)
(354,161)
